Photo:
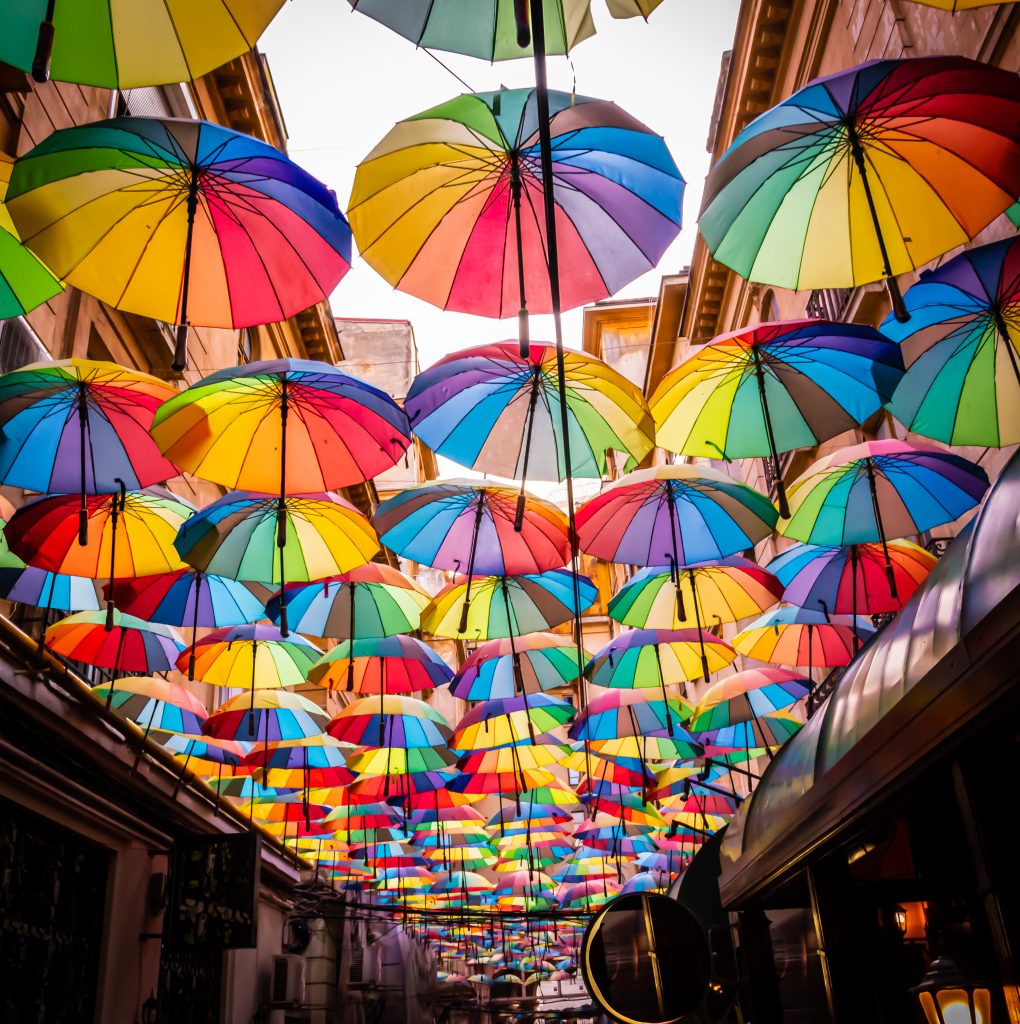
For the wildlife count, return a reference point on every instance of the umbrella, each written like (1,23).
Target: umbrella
(24,584)
(867,174)
(960,344)
(449,205)
(374,762)
(493,30)
(851,579)
(749,696)
(772,388)
(511,720)
(25,282)
(506,606)
(674,515)
(397,721)
(527,664)
(491,410)
(368,602)
(959,5)
(183,221)
(132,534)
(709,593)
(619,714)
(384,665)
(254,657)
(475,528)
(271,716)
(800,636)
(79,426)
(151,42)
(257,538)
(880,490)
(283,426)
(658,657)
(155,703)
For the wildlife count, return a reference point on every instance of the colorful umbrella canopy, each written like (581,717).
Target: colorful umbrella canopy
(527,664)
(674,515)
(772,388)
(384,665)
(24,584)
(155,703)
(960,347)
(851,580)
(867,174)
(283,426)
(25,282)
(476,528)
(269,716)
(252,657)
(80,426)
(632,713)
(511,720)
(800,636)
(129,645)
(641,658)
(449,206)
(390,760)
(395,720)
(491,410)
(152,42)
(728,591)
(748,696)
(370,601)
(880,490)
(183,221)
(489,607)
(493,29)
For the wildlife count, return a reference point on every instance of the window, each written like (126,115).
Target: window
(244,345)
(19,345)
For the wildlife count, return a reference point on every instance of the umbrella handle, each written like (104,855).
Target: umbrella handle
(523,23)
(44,46)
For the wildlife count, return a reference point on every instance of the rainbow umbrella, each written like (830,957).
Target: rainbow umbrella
(376,762)
(155,703)
(510,720)
(383,665)
(475,528)
(269,716)
(397,721)
(183,221)
(508,666)
(961,347)
(24,584)
(450,188)
(773,388)
(749,696)
(507,606)
(800,636)
(206,754)
(674,515)
(617,714)
(113,47)
(492,410)
(867,174)
(25,282)
(496,29)
(254,657)
(257,538)
(369,602)
(283,426)
(959,5)
(880,490)
(762,733)
(79,426)
(851,579)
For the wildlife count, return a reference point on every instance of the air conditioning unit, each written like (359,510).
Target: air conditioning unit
(287,987)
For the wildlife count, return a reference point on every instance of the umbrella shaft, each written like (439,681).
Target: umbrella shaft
(181,351)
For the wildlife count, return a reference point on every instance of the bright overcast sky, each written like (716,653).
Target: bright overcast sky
(345,80)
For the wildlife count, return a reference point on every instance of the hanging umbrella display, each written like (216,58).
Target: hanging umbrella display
(749,696)
(130,534)
(257,538)
(674,515)
(508,666)
(395,720)
(512,720)
(270,716)
(800,636)
(494,411)
(851,580)
(384,665)
(773,388)
(506,606)
(25,282)
(184,221)
(619,714)
(695,595)
(374,762)
(449,206)
(867,174)
(254,657)
(155,704)
(474,528)
(880,490)
(24,584)
(149,43)
(283,426)
(961,347)
(495,30)
(79,426)
(369,602)
(641,658)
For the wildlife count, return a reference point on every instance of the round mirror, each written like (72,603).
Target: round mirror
(645,959)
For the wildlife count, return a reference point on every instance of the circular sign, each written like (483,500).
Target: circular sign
(645,959)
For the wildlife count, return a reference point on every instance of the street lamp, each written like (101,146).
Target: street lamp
(948,996)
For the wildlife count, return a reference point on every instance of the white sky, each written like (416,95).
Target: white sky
(344,81)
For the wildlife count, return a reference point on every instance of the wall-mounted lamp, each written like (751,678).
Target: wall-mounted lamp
(948,996)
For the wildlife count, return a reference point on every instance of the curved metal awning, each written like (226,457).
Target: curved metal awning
(899,700)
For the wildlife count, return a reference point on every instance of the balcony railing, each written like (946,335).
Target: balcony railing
(829,303)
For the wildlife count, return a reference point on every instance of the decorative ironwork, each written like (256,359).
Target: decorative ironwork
(938,545)
(823,690)
(829,303)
